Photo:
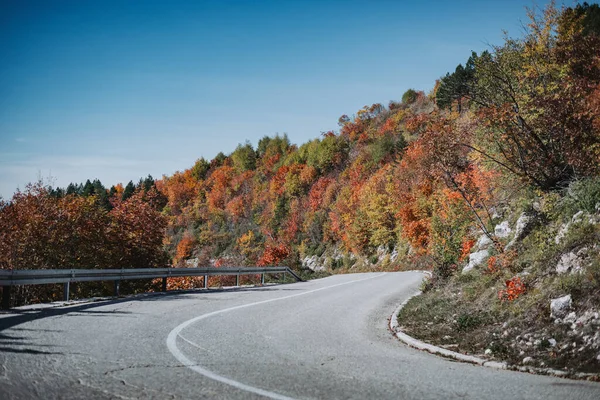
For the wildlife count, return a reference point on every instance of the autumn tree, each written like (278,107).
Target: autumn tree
(534,101)
(40,231)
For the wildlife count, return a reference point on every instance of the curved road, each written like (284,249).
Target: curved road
(323,339)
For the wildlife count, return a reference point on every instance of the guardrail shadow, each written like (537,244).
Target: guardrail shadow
(14,343)
(11,319)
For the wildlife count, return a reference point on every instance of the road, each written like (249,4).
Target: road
(323,339)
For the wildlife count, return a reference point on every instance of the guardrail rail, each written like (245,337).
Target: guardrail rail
(9,278)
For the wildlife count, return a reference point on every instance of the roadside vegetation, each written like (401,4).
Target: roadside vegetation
(525,287)
(491,180)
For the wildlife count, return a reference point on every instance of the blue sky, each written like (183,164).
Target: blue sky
(117,90)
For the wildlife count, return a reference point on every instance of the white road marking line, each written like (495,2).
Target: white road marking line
(172,341)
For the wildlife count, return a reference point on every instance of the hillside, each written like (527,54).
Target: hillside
(497,169)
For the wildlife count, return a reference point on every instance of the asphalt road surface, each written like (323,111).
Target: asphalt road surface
(323,339)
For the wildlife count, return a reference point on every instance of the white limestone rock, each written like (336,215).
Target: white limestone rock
(522,226)
(559,307)
(313,264)
(191,262)
(587,318)
(476,259)
(394,255)
(483,242)
(570,318)
(572,261)
(502,230)
(562,232)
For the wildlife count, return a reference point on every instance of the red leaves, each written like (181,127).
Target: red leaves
(317,193)
(514,288)
(492,265)
(466,247)
(41,231)
(390,125)
(138,230)
(180,189)
(219,184)
(184,249)
(274,254)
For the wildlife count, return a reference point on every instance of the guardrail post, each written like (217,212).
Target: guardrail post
(6,297)
(262,279)
(164,284)
(66,291)
(117,287)
(237,279)
(284,276)
(205,281)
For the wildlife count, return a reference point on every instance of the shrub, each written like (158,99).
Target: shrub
(410,96)
(582,194)
(514,288)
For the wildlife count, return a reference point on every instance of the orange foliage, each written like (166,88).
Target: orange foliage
(514,288)
(184,249)
(416,123)
(492,264)
(293,222)
(119,189)
(317,193)
(466,247)
(415,228)
(277,184)
(390,125)
(307,174)
(236,207)
(180,189)
(219,184)
(274,255)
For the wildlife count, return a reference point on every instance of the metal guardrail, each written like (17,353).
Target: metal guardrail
(66,276)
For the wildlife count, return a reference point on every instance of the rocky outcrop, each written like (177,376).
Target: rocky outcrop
(192,262)
(313,263)
(476,259)
(522,228)
(502,230)
(578,218)
(572,262)
(480,255)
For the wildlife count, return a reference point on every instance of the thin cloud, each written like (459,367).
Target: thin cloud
(59,171)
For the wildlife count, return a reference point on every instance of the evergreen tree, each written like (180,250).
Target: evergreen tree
(101,195)
(200,169)
(129,190)
(244,157)
(74,189)
(88,189)
(457,86)
(112,192)
(218,160)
